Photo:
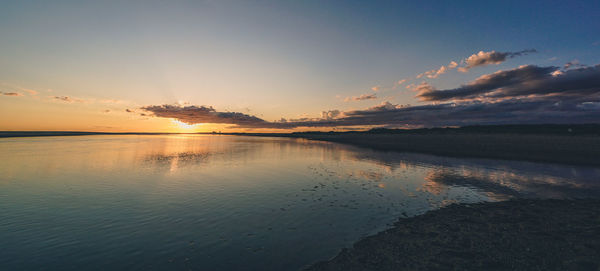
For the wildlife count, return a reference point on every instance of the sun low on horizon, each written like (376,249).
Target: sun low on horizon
(226,66)
(310,135)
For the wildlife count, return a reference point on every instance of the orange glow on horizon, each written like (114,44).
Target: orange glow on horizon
(185,126)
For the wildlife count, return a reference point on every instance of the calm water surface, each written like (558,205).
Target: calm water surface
(230,203)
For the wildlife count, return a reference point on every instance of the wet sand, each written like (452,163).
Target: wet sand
(510,235)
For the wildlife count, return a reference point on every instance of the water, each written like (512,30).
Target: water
(230,203)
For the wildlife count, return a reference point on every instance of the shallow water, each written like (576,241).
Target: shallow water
(231,203)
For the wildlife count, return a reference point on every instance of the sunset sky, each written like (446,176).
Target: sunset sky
(187,66)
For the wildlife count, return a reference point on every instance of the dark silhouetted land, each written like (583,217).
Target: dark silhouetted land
(576,149)
(569,144)
(511,235)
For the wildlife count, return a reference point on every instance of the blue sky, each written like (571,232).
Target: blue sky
(276,59)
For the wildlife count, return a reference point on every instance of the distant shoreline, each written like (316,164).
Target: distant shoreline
(510,235)
(565,144)
(575,150)
(4,134)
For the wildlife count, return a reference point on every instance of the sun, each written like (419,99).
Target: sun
(185,126)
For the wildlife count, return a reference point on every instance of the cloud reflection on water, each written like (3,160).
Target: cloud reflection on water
(237,197)
(498,179)
(502,178)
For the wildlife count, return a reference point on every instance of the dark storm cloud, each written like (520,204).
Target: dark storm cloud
(525,81)
(492,57)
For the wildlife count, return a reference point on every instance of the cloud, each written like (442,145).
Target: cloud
(589,105)
(11,94)
(479,59)
(398,83)
(331,114)
(30,91)
(201,114)
(16,90)
(525,81)
(510,111)
(492,57)
(469,113)
(62,98)
(437,72)
(457,114)
(433,73)
(573,64)
(68,99)
(421,88)
(361,97)
(111,101)
(376,88)
(382,107)
(525,95)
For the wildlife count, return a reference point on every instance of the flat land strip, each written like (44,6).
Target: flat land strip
(576,149)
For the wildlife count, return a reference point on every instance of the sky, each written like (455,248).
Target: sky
(201,66)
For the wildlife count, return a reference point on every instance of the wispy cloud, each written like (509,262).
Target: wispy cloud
(11,88)
(492,57)
(11,94)
(420,88)
(361,97)
(31,91)
(68,99)
(437,72)
(573,64)
(479,59)
(111,101)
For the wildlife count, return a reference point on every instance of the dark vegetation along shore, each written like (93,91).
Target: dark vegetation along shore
(554,143)
(510,235)
(569,144)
